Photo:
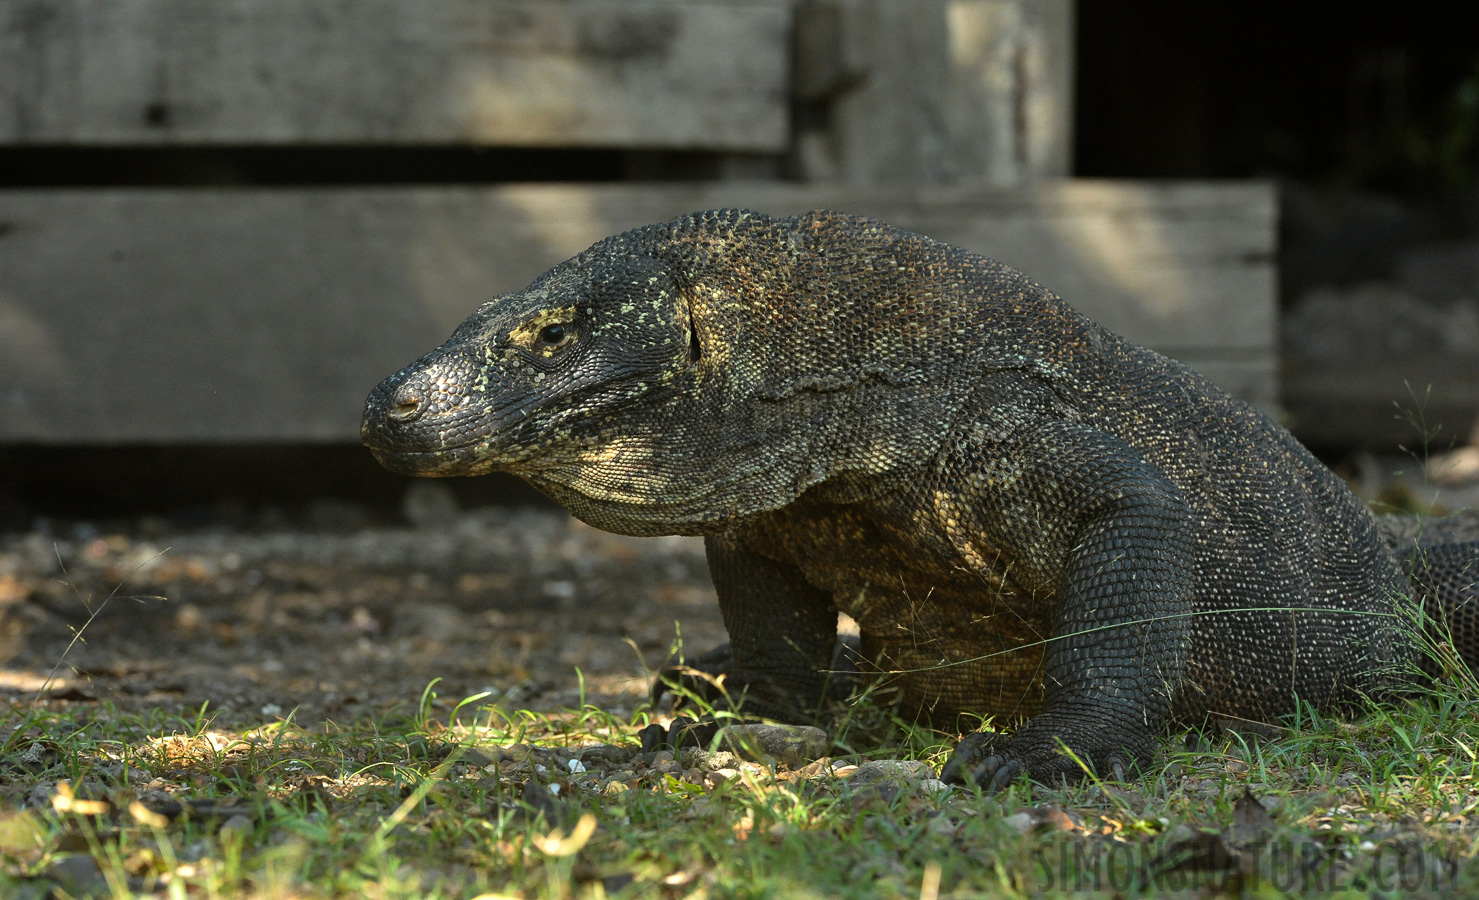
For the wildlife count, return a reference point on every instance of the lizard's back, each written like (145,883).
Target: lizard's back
(1292,591)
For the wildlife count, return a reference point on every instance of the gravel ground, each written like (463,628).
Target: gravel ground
(508,600)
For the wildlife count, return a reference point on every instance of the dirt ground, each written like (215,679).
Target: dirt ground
(329,615)
(329,622)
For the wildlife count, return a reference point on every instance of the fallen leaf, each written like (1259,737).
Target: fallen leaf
(556,844)
(63,801)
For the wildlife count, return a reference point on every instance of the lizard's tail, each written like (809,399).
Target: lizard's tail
(1446,578)
(1442,561)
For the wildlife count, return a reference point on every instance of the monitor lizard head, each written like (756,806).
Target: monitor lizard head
(535,382)
(681,376)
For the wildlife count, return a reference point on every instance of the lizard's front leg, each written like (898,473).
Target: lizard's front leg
(782,637)
(1108,535)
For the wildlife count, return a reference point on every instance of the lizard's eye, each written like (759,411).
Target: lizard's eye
(553,334)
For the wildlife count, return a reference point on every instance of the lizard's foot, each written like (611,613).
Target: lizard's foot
(702,676)
(683,732)
(994,761)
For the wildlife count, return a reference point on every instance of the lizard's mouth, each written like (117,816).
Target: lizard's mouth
(441,462)
(465,438)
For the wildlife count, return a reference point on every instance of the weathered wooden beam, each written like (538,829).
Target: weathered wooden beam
(262,315)
(933,91)
(710,74)
(1422,402)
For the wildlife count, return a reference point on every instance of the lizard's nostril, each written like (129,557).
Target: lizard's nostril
(405,409)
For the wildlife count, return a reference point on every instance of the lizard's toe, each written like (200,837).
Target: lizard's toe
(994,761)
(686,732)
(1003,772)
(653,737)
(967,757)
(682,732)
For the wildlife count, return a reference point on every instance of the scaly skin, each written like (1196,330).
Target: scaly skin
(1029,517)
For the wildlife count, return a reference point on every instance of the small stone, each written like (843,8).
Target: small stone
(542,800)
(1021,822)
(707,761)
(1033,820)
(880,793)
(1131,799)
(907,771)
(716,778)
(237,827)
(813,769)
(575,766)
(792,745)
(606,753)
(77,874)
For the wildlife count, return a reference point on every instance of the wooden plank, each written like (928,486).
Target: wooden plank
(262,315)
(932,91)
(629,73)
(1179,267)
(1424,402)
(1010,89)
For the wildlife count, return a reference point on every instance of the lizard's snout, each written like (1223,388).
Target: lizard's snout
(394,411)
(421,409)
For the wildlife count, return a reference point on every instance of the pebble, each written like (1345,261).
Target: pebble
(606,753)
(1032,820)
(905,770)
(237,827)
(76,873)
(709,761)
(790,745)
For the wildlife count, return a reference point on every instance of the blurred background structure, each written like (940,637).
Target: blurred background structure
(222,223)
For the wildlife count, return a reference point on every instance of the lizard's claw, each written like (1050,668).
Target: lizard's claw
(975,760)
(994,761)
(683,732)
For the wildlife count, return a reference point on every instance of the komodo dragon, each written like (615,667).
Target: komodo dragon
(1028,517)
